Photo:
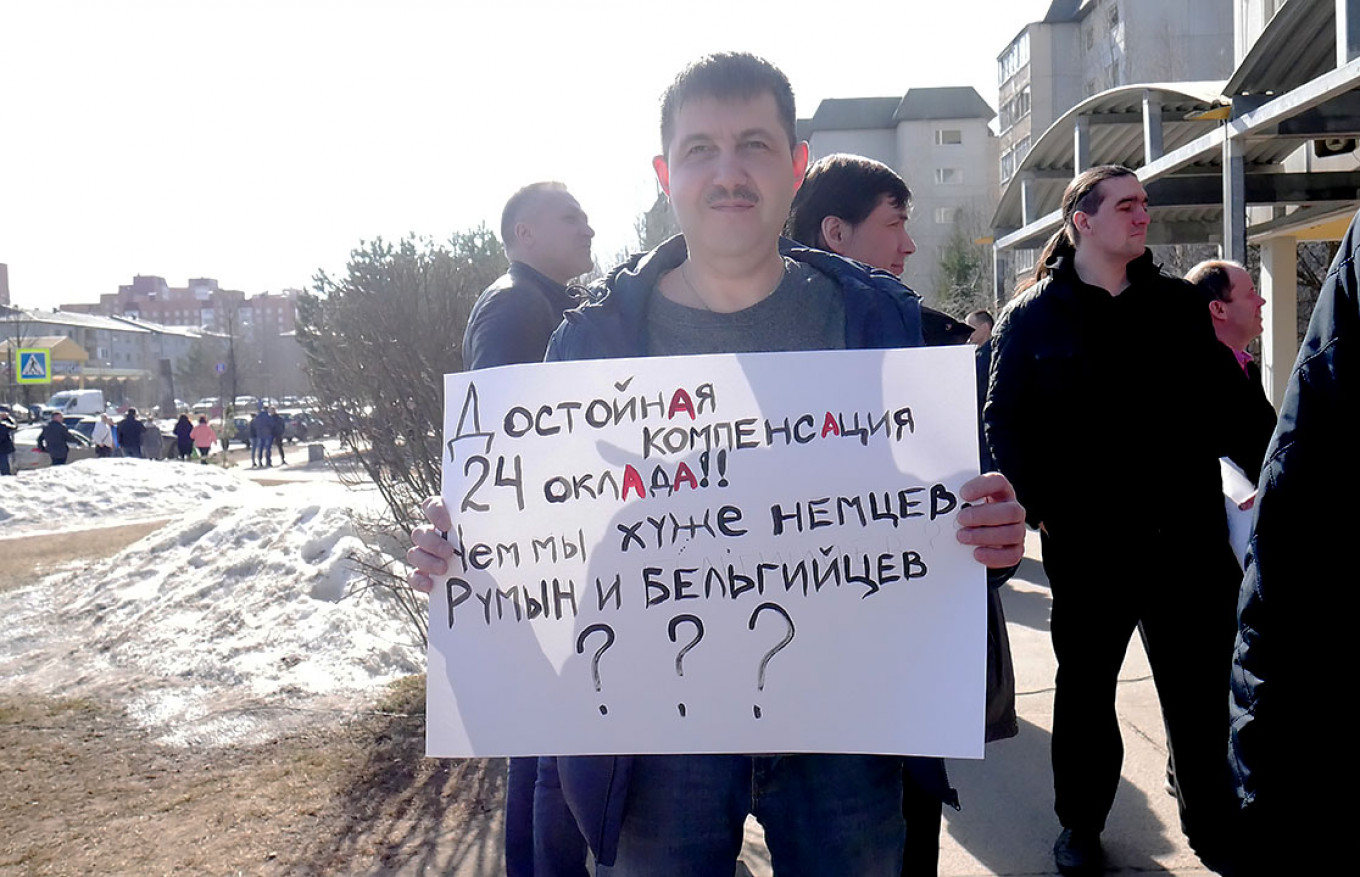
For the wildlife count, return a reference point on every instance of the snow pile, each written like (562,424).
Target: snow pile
(118,490)
(207,626)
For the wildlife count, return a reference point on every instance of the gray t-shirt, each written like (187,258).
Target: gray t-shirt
(805,312)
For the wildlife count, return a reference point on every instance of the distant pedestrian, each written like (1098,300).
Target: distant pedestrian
(276,426)
(153,448)
(7,427)
(203,437)
(184,442)
(261,439)
(103,436)
(55,439)
(130,431)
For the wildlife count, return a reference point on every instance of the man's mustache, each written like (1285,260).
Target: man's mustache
(740,193)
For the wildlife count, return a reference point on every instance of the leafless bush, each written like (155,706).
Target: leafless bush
(378,342)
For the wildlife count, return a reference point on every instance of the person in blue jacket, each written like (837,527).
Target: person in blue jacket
(858,208)
(731,165)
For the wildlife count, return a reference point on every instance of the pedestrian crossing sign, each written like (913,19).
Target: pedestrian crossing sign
(35,366)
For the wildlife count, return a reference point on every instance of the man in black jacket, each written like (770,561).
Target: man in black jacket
(1296,618)
(54,438)
(1235,309)
(1107,377)
(547,239)
(130,434)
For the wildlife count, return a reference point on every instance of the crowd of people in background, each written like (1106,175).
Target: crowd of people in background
(142,437)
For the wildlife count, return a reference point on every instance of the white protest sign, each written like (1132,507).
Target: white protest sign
(733,553)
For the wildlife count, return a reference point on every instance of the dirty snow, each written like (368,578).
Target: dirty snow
(91,493)
(246,607)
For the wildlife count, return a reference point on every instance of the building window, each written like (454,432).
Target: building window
(948,137)
(946,215)
(1015,109)
(1013,59)
(1024,261)
(948,176)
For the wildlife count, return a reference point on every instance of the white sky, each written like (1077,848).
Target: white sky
(256,142)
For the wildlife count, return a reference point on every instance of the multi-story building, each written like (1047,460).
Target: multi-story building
(1083,47)
(938,139)
(201,303)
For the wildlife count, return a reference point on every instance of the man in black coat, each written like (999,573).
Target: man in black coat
(130,434)
(276,429)
(547,239)
(1235,309)
(1107,377)
(7,427)
(1297,610)
(54,438)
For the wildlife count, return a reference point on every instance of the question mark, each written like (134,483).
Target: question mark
(595,661)
(680,656)
(764,662)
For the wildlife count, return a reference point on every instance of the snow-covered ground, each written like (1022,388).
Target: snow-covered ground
(95,493)
(245,607)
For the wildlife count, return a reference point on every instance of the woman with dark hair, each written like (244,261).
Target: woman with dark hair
(184,442)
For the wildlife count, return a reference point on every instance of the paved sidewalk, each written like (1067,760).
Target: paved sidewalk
(1007,825)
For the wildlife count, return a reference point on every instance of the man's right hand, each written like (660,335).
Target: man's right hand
(430,552)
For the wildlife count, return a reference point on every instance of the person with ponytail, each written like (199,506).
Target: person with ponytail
(1105,380)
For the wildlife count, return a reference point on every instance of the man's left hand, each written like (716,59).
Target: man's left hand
(994,522)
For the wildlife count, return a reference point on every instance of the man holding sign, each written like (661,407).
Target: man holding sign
(731,166)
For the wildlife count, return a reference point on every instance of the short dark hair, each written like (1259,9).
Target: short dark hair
(1212,280)
(521,202)
(726,76)
(846,186)
(983,315)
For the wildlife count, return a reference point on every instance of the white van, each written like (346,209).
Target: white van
(86,402)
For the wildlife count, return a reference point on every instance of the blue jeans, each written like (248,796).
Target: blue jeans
(260,451)
(823,814)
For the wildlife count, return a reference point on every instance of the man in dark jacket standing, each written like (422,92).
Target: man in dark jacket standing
(730,167)
(858,208)
(1106,376)
(7,427)
(1235,310)
(53,440)
(547,239)
(276,430)
(1297,610)
(130,434)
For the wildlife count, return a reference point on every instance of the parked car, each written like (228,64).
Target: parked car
(240,430)
(209,405)
(27,455)
(300,426)
(82,425)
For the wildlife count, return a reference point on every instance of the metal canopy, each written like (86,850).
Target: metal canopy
(1295,85)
